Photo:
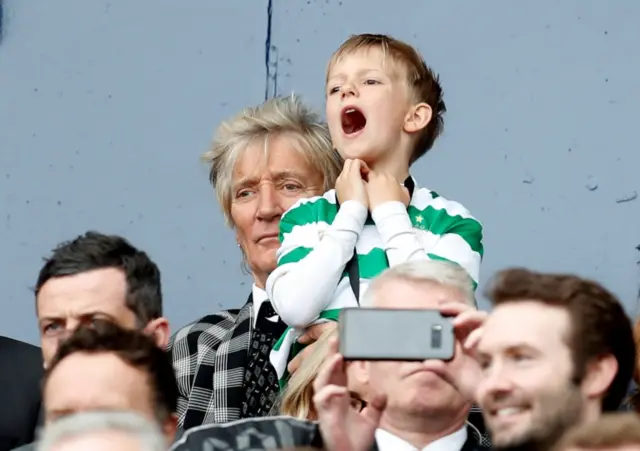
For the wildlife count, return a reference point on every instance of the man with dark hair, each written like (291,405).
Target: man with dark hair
(97,276)
(20,374)
(556,351)
(105,367)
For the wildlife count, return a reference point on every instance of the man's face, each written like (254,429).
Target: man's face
(65,302)
(410,388)
(527,394)
(85,382)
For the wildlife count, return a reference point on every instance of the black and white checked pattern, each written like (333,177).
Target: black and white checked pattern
(209,359)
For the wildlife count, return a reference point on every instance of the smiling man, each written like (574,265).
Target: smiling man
(556,351)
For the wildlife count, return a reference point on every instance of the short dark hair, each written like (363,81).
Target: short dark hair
(133,348)
(599,325)
(95,250)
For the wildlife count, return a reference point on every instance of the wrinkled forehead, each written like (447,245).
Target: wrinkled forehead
(371,57)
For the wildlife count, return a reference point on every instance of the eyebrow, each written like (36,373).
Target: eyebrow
(278,177)
(360,73)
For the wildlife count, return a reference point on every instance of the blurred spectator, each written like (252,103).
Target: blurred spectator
(104,367)
(297,397)
(262,161)
(94,277)
(252,434)
(103,431)
(634,400)
(612,432)
(20,375)
(412,405)
(556,351)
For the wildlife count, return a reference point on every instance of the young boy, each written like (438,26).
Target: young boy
(384,109)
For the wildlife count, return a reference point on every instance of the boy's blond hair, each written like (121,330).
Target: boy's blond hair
(422,80)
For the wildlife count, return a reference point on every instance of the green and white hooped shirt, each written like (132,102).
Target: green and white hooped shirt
(310,284)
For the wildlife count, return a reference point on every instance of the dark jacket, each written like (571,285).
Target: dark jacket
(20,392)
(271,433)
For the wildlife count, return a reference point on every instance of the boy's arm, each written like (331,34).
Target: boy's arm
(457,238)
(311,260)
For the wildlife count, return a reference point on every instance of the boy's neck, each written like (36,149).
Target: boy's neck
(397,168)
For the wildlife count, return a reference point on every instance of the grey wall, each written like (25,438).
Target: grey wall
(105,107)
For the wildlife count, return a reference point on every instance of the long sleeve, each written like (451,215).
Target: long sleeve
(438,234)
(312,258)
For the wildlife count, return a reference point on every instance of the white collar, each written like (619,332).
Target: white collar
(259,296)
(390,442)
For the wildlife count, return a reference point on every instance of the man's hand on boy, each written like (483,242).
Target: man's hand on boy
(383,188)
(350,184)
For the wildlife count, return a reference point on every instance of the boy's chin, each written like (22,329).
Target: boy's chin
(358,151)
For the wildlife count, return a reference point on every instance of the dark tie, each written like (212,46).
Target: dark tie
(260,379)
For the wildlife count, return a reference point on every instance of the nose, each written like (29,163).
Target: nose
(269,207)
(494,384)
(348,90)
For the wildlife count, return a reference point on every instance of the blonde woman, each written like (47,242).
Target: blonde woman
(296,400)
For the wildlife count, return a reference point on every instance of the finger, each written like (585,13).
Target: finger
(375,408)
(331,367)
(473,339)
(313,333)
(453,308)
(470,318)
(324,398)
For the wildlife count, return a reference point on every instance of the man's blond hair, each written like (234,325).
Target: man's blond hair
(424,271)
(423,82)
(282,116)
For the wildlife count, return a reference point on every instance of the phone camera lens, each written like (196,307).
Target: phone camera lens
(436,336)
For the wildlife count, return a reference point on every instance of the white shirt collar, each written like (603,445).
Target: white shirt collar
(259,296)
(453,442)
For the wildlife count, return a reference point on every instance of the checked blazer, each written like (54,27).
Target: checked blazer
(209,358)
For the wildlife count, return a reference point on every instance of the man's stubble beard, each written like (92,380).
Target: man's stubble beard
(558,411)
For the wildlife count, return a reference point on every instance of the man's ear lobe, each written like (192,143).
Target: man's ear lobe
(599,376)
(418,118)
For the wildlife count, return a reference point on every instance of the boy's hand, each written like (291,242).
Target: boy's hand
(385,188)
(350,184)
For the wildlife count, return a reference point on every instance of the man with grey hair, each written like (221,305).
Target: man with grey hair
(102,431)
(416,405)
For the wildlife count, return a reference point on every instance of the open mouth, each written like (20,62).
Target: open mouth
(352,120)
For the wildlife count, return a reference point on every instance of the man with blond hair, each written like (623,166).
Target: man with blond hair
(261,162)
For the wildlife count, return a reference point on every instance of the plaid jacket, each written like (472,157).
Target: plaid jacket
(273,433)
(209,359)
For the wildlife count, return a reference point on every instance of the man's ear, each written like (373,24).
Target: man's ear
(158,329)
(170,428)
(417,118)
(599,376)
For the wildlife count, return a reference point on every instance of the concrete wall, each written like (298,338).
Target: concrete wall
(105,107)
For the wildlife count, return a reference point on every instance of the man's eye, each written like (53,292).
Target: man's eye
(243,194)
(292,187)
(51,328)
